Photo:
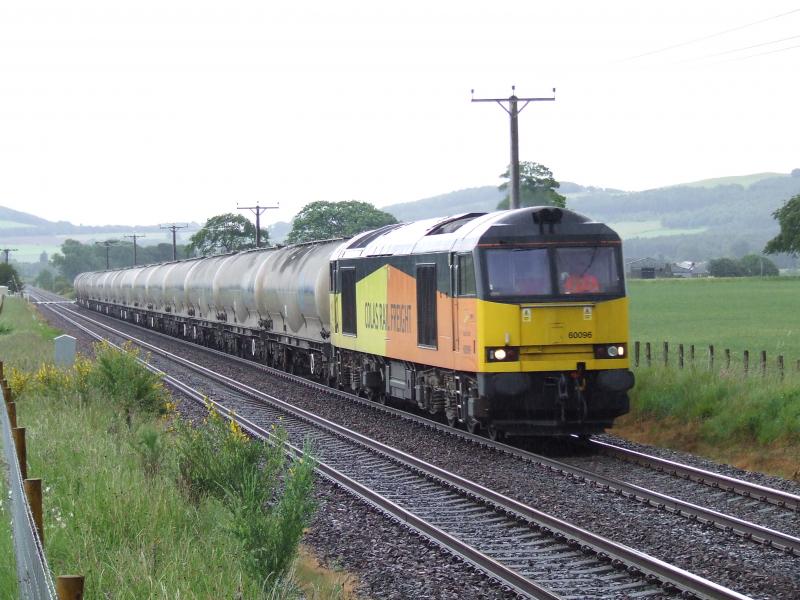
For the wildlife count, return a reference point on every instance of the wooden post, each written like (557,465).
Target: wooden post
(19,442)
(69,587)
(666,353)
(780,366)
(691,354)
(746,361)
(711,357)
(680,356)
(647,355)
(12,414)
(1,369)
(763,363)
(727,359)
(636,348)
(33,491)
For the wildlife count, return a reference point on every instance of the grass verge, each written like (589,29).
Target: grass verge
(751,422)
(114,507)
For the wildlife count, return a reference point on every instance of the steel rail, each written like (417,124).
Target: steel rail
(745,488)
(648,565)
(751,531)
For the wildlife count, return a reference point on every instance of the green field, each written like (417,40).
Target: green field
(738,313)
(649,229)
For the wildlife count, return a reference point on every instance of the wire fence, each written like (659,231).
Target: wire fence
(679,355)
(33,574)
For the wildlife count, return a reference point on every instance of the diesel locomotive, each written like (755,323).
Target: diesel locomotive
(513,322)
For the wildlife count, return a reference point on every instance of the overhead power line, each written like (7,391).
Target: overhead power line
(743,48)
(763,53)
(713,35)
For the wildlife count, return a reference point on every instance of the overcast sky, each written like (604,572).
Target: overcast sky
(139,112)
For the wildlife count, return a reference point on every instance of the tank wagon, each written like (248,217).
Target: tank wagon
(515,322)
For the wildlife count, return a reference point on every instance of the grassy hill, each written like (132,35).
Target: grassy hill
(725,216)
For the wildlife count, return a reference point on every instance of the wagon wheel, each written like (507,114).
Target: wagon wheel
(379,397)
(473,426)
(452,421)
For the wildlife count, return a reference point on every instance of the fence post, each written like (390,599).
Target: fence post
(746,361)
(19,443)
(666,354)
(680,356)
(69,587)
(711,357)
(763,363)
(727,359)
(12,414)
(636,354)
(780,366)
(647,354)
(691,354)
(33,492)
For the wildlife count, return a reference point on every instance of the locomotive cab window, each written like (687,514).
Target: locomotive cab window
(349,324)
(518,272)
(466,275)
(426,305)
(588,270)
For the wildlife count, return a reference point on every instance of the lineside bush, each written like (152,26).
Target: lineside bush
(217,459)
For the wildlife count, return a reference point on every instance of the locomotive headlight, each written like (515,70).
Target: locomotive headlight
(502,354)
(610,350)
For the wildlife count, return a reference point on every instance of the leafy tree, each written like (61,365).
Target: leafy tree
(724,267)
(536,187)
(45,280)
(76,258)
(325,220)
(225,233)
(9,277)
(754,265)
(788,240)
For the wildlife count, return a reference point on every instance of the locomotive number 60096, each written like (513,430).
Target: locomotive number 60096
(573,335)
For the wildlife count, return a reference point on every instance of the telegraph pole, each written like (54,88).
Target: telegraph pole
(107,244)
(513,112)
(173,227)
(6,251)
(257,210)
(135,237)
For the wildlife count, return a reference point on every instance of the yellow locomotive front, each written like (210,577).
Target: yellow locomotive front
(551,326)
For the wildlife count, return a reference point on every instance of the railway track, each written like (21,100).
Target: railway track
(765,515)
(512,542)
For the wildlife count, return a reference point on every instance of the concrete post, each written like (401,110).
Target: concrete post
(65,351)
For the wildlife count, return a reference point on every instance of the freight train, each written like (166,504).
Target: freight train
(512,322)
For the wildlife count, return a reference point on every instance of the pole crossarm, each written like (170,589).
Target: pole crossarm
(513,111)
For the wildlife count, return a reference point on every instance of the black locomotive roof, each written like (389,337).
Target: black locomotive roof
(545,224)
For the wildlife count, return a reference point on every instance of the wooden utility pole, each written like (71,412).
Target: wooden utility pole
(257,210)
(107,244)
(135,236)
(173,227)
(513,111)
